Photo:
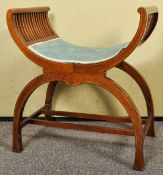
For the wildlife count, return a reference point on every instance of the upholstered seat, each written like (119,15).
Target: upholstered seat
(62,51)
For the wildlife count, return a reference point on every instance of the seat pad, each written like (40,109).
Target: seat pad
(59,50)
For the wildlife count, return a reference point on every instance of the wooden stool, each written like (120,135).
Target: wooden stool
(74,65)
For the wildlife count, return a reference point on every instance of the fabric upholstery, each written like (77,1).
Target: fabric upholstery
(61,51)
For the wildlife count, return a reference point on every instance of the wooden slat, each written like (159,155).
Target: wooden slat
(118,131)
(20,27)
(43,25)
(38,20)
(33,26)
(48,24)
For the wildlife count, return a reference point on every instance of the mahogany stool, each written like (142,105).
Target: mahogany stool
(74,65)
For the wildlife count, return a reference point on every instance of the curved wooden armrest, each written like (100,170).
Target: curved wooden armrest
(30,25)
(151,14)
(148,21)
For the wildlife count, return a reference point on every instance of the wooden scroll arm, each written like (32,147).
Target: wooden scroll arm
(151,14)
(148,21)
(147,24)
(31,25)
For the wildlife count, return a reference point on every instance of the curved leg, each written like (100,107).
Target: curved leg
(99,80)
(131,109)
(19,108)
(49,97)
(145,90)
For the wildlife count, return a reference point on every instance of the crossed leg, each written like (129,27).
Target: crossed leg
(99,80)
(145,90)
(19,108)
(131,109)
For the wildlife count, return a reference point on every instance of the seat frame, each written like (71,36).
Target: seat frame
(31,25)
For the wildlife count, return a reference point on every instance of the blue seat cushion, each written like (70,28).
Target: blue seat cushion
(59,50)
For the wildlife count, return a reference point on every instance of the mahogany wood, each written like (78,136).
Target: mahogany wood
(146,92)
(83,127)
(49,97)
(31,25)
(87,116)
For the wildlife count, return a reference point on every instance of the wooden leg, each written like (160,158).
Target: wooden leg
(49,97)
(17,137)
(145,90)
(19,108)
(139,157)
(131,109)
(99,80)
